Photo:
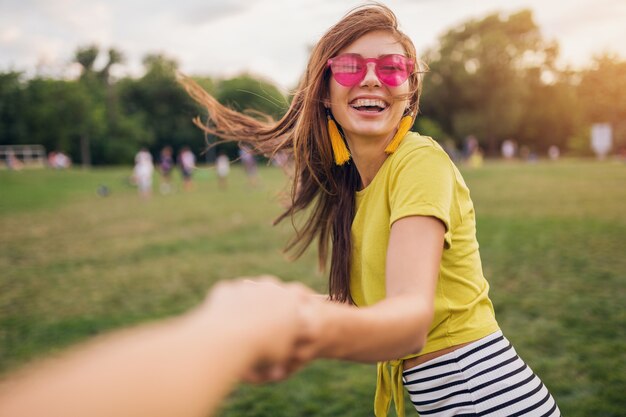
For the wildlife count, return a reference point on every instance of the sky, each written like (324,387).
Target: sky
(268,38)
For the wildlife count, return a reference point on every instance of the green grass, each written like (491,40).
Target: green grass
(552,237)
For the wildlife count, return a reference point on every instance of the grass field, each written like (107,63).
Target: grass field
(553,241)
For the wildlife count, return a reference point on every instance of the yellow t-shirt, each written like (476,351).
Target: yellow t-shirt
(419,179)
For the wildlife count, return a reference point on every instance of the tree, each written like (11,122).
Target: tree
(160,66)
(100,120)
(254,96)
(12,101)
(552,112)
(86,56)
(601,92)
(246,93)
(115,57)
(58,114)
(162,106)
(117,142)
(478,80)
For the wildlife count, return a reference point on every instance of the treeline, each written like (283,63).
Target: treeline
(99,120)
(495,78)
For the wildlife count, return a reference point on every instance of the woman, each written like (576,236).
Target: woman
(395,216)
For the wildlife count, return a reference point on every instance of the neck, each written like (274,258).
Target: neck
(368,155)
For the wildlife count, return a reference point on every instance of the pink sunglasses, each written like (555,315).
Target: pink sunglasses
(350,69)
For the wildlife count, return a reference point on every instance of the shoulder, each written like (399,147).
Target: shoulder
(421,150)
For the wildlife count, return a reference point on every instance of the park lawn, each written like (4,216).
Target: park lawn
(75,264)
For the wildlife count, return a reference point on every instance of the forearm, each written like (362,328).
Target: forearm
(390,329)
(173,368)
(399,324)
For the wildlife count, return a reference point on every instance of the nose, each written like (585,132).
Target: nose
(370,79)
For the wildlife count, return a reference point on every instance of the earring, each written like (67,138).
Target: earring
(403,128)
(340,151)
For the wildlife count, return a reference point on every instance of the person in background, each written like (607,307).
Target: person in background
(222,167)
(187,163)
(166,165)
(554,153)
(508,149)
(59,160)
(395,216)
(183,366)
(249,163)
(142,173)
(62,161)
(13,162)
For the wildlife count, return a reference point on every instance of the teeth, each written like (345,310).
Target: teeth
(368,102)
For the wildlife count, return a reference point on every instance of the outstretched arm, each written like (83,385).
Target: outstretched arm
(180,367)
(398,325)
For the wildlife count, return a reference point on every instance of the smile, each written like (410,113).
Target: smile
(369,105)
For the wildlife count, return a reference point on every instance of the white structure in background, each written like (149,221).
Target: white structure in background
(601,139)
(13,156)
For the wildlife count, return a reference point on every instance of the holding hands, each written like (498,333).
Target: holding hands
(256,331)
(278,323)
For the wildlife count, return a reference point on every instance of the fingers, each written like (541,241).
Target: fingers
(279,321)
(265,278)
(266,374)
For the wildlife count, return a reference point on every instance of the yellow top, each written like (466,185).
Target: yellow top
(419,179)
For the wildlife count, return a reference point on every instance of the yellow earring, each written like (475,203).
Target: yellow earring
(340,151)
(403,128)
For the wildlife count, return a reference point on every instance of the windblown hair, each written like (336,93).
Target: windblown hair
(318,183)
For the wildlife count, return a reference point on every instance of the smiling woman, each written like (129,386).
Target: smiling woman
(406,286)
(367,114)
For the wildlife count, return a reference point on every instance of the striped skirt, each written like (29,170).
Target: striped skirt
(484,378)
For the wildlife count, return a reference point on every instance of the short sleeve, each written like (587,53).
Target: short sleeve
(422,184)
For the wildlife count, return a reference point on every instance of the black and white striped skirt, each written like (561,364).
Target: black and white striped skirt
(484,378)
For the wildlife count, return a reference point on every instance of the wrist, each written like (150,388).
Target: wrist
(328,333)
(221,338)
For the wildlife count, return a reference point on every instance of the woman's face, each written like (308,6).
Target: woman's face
(368,110)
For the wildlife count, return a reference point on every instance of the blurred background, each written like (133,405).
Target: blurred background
(528,97)
(95,79)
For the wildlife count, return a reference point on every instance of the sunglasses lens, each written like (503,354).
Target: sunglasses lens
(348,69)
(393,70)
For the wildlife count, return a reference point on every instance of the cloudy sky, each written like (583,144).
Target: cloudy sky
(266,37)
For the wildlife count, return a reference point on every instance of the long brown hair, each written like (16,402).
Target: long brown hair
(317,182)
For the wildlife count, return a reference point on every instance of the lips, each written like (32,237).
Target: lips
(369,104)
